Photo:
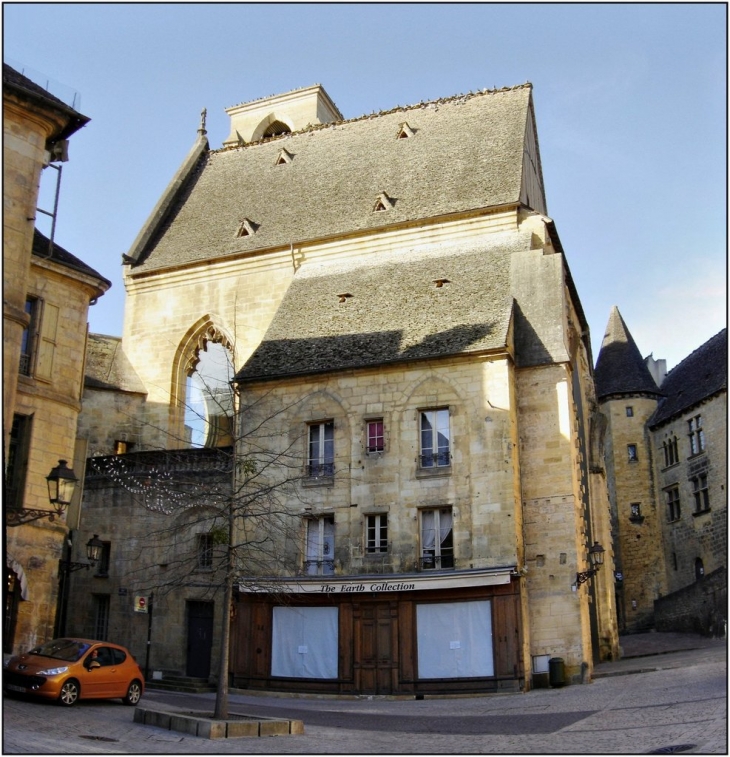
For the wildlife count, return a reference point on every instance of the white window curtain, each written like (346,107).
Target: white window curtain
(304,642)
(320,546)
(455,640)
(435,522)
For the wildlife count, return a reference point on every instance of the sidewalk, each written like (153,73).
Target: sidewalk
(654,650)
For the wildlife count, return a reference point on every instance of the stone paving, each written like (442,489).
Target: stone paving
(679,699)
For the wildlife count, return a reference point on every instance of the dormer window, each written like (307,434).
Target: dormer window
(383,203)
(284,157)
(246,229)
(405,131)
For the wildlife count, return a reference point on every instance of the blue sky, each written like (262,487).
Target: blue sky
(630,103)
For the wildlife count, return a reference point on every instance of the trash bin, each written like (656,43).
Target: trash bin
(556,666)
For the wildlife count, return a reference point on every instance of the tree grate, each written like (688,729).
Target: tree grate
(673,749)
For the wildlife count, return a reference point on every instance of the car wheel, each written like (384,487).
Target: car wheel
(69,693)
(134,692)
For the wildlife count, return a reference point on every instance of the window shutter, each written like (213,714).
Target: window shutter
(47,344)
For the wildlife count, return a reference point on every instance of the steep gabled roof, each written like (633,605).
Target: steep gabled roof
(620,369)
(467,154)
(107,366)
(42,246)
(388,309)
(698,377)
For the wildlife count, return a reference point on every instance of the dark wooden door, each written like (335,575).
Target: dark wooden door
(377,661)
(200,639)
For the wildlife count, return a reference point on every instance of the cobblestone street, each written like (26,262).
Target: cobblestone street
(635,706)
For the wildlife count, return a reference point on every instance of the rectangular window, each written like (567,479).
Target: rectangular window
(632,453)
(629,411)
(437,539)
(321,450)
(320,559)
(102,567)
(30,336)
(701,493)
(435,438)
(376,436)
(47,342)
(377,533)
(205,551)
(673,510)
(696,435)
(635,510)
(101,616)
(17,462)
(455,640)
(304,642)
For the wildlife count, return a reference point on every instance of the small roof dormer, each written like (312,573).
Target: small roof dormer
(280,114)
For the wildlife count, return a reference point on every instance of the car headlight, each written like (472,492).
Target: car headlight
(53,671)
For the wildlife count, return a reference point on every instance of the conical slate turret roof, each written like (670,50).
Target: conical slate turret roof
(620,369)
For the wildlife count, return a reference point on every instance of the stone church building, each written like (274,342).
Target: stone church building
(413,408)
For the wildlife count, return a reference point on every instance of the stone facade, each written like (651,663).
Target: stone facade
(668,498)
(46,296)
(349,286)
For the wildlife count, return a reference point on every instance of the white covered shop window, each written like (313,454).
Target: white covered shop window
(304,642)
(455,640)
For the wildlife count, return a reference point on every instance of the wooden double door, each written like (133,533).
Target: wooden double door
(376,647)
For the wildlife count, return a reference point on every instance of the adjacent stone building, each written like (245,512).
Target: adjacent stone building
(46,295)
(415,409)
(666,461)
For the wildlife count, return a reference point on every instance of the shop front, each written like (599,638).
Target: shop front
(408,634)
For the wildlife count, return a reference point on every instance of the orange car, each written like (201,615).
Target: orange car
(71,669)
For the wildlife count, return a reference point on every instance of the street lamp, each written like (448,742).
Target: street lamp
(61,486)
(595,555)
(94,550)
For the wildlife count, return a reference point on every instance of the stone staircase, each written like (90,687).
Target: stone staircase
(181,683)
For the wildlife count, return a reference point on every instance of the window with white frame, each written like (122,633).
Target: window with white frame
(696,435)
(321,460)
(320,557)
(375,436)
(435,438)
(376,533)
(437,539)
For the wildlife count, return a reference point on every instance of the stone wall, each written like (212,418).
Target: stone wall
(700,607)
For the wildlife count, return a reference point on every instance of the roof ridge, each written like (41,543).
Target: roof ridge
(368,116)
(694,351)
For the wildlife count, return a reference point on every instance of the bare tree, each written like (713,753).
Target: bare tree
(230,506)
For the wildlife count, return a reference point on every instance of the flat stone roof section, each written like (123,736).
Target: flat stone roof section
(390,308)
(465,154)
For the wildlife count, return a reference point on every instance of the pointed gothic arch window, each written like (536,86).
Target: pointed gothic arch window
(276,128)
(208,400)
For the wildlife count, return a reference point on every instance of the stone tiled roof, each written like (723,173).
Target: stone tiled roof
(107,367)
(392,310)
(698,377)
(41,245)
(466,153)
(620,369)
(14,80)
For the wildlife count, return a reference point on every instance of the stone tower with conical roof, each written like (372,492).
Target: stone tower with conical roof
(628,396)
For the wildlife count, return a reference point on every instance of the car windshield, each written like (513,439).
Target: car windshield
(69,650)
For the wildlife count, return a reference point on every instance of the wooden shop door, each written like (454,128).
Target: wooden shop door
(378,661)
